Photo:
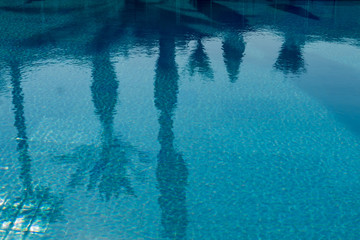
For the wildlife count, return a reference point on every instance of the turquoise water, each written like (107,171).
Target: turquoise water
(179,120)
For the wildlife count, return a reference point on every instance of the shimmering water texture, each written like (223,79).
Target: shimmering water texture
(135,119)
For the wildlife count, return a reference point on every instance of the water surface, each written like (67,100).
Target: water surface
(155,119)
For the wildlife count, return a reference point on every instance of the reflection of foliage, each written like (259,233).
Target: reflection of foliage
(107,165)
(110,170)
(290,59)
(200,62)
(233,53)
(116,23)
(114,179)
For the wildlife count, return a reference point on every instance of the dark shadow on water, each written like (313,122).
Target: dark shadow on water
(53,35)
(31,1)
(221,14)
(39,10)
(299,11)
(171,171)
(107,35)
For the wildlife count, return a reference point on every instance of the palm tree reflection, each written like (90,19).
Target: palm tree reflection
(233,52)
(199,61)
(171,172)
(106,166)
(35,208)
(20,125)
(290,59)
(233,45)
(110,167)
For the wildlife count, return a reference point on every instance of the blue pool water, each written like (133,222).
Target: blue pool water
(146,119)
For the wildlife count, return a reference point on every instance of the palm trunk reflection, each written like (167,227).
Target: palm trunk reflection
(171,172)
(35,208)
(110,168)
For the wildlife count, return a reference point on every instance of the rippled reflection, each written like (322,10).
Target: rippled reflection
(233,51)
(200,62)
(107,166)
(290,59)
(34,208)
(171,171)
(109,169)
(245,112)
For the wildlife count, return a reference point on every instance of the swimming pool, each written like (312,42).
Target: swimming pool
(141,119)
